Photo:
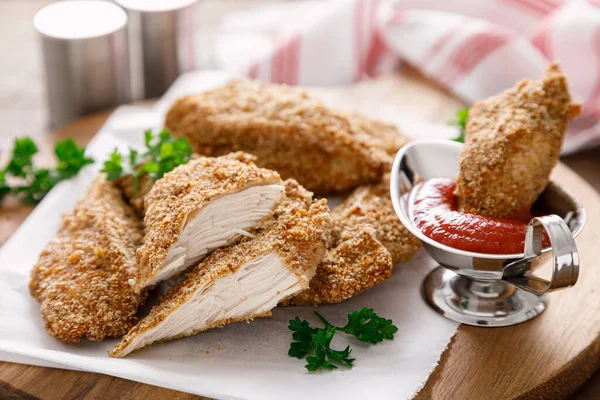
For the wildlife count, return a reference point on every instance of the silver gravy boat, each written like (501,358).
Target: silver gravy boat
(489,289)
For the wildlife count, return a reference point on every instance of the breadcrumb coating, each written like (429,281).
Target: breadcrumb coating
(290,132)
(298,232)
(512,143)
(390,139)
(372,205)
(355,263)
(85,276)
(135,199)
(186,189)
(368,238)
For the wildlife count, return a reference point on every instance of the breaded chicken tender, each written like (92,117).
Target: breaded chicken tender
(356,262)
(244,281)
(208,203)
(372,205)
(290,132)
(512,143)
(85,276)
(368,238)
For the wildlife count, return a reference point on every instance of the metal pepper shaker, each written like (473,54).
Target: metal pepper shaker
(86,58)
(161,38)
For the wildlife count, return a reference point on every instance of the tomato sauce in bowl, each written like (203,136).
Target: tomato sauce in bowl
(435,213)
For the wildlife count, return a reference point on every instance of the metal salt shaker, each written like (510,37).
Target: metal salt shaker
(86,57)
(162,43)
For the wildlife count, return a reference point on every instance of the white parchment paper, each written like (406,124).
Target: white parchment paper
(240,361)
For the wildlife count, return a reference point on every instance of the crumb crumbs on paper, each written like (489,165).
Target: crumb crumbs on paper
(219,347)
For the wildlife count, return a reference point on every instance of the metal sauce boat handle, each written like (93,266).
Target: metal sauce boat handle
(565,258)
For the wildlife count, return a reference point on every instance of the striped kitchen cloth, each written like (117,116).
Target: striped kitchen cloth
(475,48)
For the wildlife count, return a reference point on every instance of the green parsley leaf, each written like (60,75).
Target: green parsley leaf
(365,325)
(150,168)
(71,158)
(341,356)
(4,188)
(21,162)
(303,334)
(167,151)
(164,135)
(31,184)
(37,186)
(133,158)
(163,153)
(462,117)
(112,166)
(182,147)
(368,327)
(148,137)
(314,363)
(323,352)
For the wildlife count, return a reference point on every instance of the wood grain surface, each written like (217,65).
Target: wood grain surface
(549,357)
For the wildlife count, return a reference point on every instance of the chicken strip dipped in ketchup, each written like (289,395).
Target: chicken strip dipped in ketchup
(513,141)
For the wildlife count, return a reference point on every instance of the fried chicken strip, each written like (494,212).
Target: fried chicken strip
(200,206)
(372,205)
(513,141)
(84,277)
(290,132)
(356,262)
(368,238)
(244,281)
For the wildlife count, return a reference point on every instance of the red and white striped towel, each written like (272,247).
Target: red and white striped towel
(475,48)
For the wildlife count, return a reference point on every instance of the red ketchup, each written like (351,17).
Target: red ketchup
(435,214)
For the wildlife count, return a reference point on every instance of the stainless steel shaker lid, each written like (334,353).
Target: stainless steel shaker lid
(161,39)
(86,57)
(83,19)
(154,5)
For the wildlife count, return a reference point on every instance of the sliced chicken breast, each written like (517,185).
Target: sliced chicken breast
(201,206)
(85,276)
(244,281)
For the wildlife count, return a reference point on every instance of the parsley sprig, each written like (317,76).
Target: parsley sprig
(462,117)
(163,153)
(365,325)
(30,183)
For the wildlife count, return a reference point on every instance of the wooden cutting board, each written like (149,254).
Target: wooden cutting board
(548,357)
